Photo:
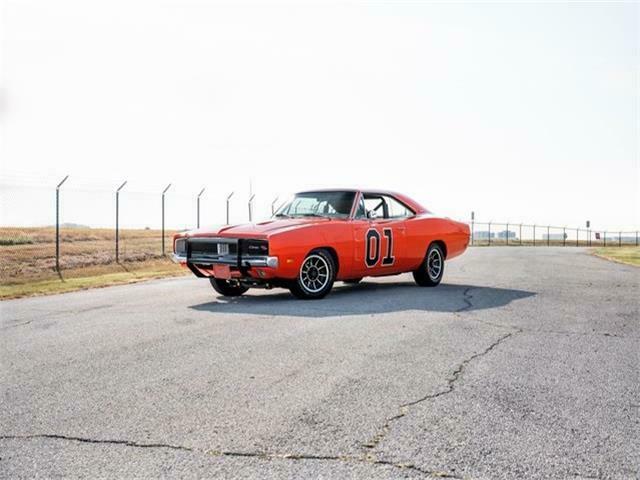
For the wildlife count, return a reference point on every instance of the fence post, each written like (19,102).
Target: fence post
(273,211)
(564,236)
(489,234)
(228,198)
(250,202)
(198,213)
(577,236)
(521,234)
(604,236)
(548,235)
(163,192)
(58,223)
(534,235)
(619,239)
(636,238)
(118,221)
(507,233)
(473,218)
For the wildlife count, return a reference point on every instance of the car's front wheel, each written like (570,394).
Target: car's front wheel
(316,276)
(431,270)
(227,288)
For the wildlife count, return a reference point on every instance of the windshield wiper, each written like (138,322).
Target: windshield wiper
(279,215)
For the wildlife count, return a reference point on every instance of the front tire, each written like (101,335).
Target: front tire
(431,270)
(316,276)
(226,288)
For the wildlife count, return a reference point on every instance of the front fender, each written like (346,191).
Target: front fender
(291,247)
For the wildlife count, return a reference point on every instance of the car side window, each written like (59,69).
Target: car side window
(396,209)
(374,204)
(382,207)
(361,211)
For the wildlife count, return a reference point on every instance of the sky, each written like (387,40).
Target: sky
(520,112)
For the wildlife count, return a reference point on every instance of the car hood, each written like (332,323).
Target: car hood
(259,230)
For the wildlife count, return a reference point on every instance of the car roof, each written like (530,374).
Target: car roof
(415,206)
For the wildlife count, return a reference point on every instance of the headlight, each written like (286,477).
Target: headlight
(180,247)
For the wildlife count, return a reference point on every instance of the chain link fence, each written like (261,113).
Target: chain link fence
(81,232)
(73,231)
(496,234)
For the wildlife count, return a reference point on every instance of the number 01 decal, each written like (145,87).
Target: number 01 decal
(373,248)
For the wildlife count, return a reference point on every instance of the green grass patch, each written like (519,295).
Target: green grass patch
(51,286)
(9,241)
(628,255)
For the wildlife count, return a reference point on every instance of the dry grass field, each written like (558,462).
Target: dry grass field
(87,259)
(628,255)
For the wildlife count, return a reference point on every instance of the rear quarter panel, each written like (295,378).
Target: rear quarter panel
(422,230)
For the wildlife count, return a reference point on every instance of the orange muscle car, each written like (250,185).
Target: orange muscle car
(319,237)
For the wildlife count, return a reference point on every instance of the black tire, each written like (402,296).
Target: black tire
(224,287)
(352,281)
(431,270)
(316,276)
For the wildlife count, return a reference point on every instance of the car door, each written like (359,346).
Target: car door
(379,238)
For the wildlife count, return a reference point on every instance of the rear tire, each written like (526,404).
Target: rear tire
(226,288)
(431,270)
(316,276)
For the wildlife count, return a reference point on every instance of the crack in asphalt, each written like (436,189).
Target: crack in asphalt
(7,327)
(366,457)
(404,408)
(451,382)
(71,438)
(236,454)
(57,314)
(467,298)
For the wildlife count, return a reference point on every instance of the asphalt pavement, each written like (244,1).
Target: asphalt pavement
(524,363)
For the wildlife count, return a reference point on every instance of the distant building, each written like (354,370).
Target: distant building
(613,238)
(554,236)
(483,235)
(507,234)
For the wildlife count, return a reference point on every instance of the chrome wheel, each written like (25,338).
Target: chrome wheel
(434,264)
(315,273)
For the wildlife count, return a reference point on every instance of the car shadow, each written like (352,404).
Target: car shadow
(369,298)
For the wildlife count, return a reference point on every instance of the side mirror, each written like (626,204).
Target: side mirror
(372,214)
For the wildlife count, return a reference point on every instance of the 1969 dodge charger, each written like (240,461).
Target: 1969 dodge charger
(319,237)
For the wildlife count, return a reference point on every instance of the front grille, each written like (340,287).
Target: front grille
(201,246)
(227,251)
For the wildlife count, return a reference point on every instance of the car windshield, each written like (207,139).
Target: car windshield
(318,204)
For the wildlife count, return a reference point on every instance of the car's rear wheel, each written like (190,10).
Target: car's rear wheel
(227,288)
(316,276)
(353,281)
(431,270)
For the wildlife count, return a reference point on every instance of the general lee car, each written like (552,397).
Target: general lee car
(319,237)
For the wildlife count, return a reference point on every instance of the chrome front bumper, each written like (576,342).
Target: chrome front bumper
(243,261)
